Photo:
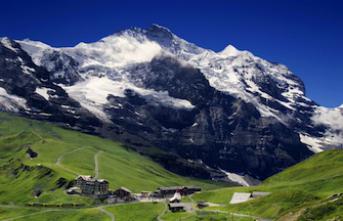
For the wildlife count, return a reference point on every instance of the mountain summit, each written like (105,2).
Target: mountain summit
(210,114)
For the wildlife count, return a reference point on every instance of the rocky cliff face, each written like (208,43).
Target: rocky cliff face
(206,112)
(33,91)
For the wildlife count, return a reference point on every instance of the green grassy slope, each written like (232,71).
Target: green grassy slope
(63,154)
(305,187)
(302,192)
(125,212)
(21,214)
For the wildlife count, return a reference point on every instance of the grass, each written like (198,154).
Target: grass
(301,187)
(136,211)
(301,192)
(89,214)
(64,154)
(203,216)
(329,210)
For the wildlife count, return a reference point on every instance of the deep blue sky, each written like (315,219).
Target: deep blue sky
(305,35)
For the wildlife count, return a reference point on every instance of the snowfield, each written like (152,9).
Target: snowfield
(102,66)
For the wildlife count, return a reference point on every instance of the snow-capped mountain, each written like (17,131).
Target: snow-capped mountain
(211,113)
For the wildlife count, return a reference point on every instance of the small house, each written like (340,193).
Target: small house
(202,204)
(145,194)
(169,191)
(124,194)
(176,198)
(177,207)
(188,190)
(183,190)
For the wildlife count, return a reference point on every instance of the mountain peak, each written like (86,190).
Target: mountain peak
(160,28)
(156,31)
(229,50)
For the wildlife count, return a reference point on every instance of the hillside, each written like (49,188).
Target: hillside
(59,155)
(310,190)
(305,191)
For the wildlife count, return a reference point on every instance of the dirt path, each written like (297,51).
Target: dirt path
(159,217)
(101,209)
(31,214)
(191,198)
(241,215)
(60,158)
(109,214)
(38,135)
(292,216)
(96,164)
(249,216)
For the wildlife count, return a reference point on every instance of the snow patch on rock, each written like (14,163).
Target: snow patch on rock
(93,92)
(35,49)
(313,143)
(242,180)
(10,102)
(43,91)
(7,43)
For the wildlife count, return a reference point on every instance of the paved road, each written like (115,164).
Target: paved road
(107,213)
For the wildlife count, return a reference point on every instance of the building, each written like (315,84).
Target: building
(176,207)
(145,194)
(176,198)
(202,204)
(183,190)
(179,207)
(124,194)
(91,186)
(188,190)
